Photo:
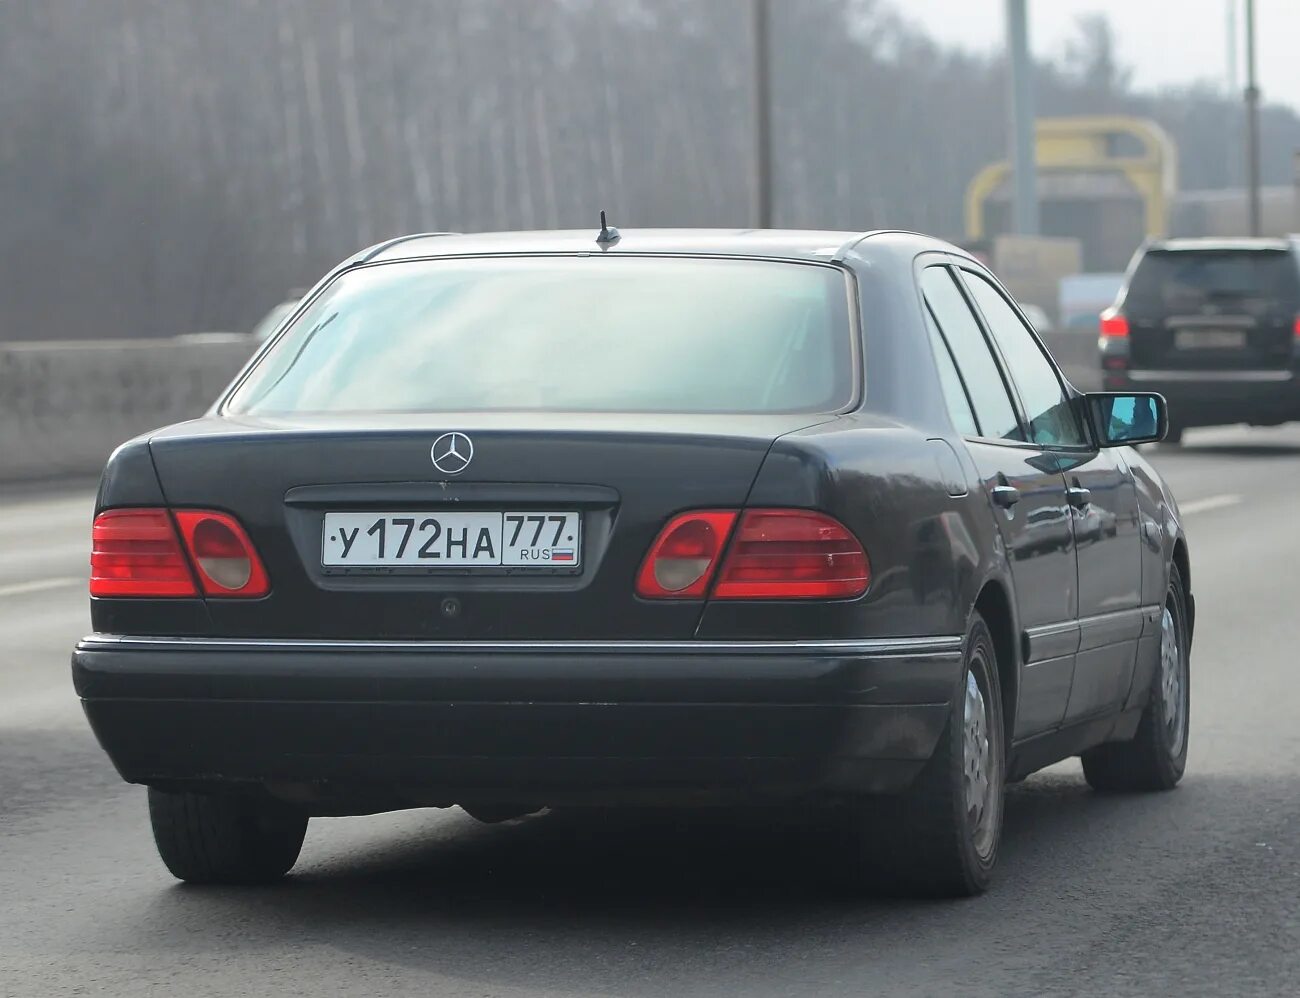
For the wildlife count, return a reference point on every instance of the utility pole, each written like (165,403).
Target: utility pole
(1234,84)
(1295,190)
(761,22)
(1020,98)
(1230,10)
(1252,120)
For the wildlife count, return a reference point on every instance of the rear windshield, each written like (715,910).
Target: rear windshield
(626,334)
(1175,279)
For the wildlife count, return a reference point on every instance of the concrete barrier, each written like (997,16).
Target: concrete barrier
(64,406)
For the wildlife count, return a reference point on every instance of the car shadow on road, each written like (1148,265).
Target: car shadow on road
(590,895)
(663,859)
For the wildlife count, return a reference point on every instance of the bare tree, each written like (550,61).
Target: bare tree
(175,165)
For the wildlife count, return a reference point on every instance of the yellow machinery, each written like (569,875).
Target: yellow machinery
(1106,180)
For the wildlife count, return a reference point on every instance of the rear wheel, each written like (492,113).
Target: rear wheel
(1157,756)
(941,838)
(225,839)
(1173,436)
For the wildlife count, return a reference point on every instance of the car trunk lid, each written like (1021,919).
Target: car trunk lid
(624,475)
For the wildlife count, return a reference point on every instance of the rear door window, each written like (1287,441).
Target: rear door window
(1051,415)
(954,392)
(1189,280)
(979,371)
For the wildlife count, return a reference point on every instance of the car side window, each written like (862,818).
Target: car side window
(954,392)
(1053,421)
(988,392)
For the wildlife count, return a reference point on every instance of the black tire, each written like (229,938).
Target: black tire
(926,842)
(225,839)
(1157,756)
(494,814)
(1173,436)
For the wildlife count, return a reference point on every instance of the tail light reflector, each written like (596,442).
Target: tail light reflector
(1297,327)
(793,554)
(226,560)
(1114,325)
(135,552)
(685,555)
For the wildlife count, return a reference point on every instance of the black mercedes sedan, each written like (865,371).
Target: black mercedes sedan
(535,520)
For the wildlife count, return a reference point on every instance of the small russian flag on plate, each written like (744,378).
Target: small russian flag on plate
(561,554)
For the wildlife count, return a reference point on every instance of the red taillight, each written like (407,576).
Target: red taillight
(792,554)
(1297,327)
(226,560)
(1114,326)
(774,554)
(684,556)
(135,552)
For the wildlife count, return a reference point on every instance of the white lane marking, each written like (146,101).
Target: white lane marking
(1207,504)
(39,586)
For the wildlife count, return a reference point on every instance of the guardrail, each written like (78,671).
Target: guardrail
(65,406)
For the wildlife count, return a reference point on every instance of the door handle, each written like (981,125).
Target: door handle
(1078,496)
(1005,496)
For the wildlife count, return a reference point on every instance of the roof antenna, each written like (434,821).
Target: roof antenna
(608,234)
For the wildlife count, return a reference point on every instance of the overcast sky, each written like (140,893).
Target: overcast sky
(1163,41)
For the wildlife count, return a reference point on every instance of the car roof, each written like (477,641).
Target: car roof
(786,244)
(1219,244)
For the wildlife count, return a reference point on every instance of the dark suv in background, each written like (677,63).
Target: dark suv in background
(1213,325)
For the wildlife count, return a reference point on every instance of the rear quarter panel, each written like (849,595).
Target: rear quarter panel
(930,551)
(130,479)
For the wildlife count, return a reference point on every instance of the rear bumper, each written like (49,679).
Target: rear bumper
(1210,398)
(402,723)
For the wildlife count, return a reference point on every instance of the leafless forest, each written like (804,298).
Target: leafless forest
(173,166)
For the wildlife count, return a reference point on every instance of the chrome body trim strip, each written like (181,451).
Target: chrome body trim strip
(926,646)
(1087,632)
(1052,630)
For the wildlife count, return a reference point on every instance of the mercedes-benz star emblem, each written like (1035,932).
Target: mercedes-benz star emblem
(451,453)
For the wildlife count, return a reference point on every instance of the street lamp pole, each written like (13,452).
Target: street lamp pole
(1233,164)
(761,22)
(1252,121)
(1020,94)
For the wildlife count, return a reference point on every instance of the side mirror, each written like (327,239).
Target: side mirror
(1121,419)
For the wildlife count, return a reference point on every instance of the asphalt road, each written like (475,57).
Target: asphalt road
(1195,892)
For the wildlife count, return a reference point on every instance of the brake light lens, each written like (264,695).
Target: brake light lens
(226,560)
(1114,325)
(1297,327)
(793,554)
(135,552)
(685,555)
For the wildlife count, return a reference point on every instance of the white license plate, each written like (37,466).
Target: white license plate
(452,540)
(1210,339)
